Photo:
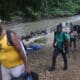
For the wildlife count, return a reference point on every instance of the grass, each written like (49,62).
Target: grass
(41,40)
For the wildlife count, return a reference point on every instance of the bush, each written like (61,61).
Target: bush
(41,40)
(29,13)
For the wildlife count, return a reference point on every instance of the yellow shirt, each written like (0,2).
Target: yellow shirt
(9,56)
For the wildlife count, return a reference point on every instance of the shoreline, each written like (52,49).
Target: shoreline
(19,20)
(27,27)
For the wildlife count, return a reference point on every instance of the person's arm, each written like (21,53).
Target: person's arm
(67,41)
(17,45)
(54,41)
(76,33)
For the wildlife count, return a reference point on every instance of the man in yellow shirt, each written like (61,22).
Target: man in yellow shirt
(12,57)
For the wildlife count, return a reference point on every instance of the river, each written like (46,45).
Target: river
(23,28)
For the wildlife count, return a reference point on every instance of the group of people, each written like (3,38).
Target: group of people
(13,60)
(63,43)
(34,33)
(74,34)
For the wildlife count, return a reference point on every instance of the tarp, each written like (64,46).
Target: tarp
(36,46)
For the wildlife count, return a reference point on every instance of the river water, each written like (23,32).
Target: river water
(23,28)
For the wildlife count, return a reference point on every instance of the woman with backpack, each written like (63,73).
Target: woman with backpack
(12,57)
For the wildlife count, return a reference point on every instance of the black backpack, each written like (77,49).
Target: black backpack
(25,76)
(10,41)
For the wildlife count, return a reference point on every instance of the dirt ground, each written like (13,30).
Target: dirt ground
(40,62)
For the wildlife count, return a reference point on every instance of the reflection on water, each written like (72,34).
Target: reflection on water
(24,28)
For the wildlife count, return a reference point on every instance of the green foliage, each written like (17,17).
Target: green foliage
(41,40)
(29,13)
(34,9)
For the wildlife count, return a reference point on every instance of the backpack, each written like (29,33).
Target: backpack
(25,76)
(64,48)
(63,35)
(11,43)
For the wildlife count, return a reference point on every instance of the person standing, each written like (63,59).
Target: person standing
(60,46)
(12,57)
(73,38)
